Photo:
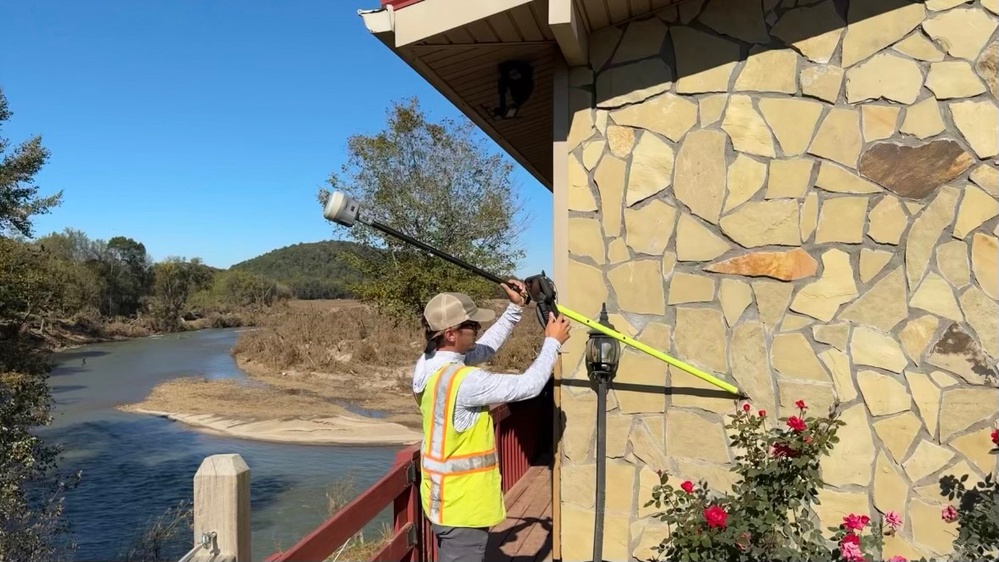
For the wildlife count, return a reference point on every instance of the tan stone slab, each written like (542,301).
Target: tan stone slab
(883,395)
(987,178)
(991,5)
(793,323)
(976,208)
(735,296)
(648,449)
(837,179)
(942,379)
(809,217)
(581,121)
(962,408)
(740,20)
(883,306)
(834,505)
(668,264)
(879,121)
(842,219)
(578,483)
(617,251)
(898,433)
(978,122)
(577,435)
(688,391)
(699,179)
(586,239)
(886,76)
(592,151)
(641,369)
(638,286)
(925,231)
(835,335)
(935,295)
(985,263)
(580,197)
(988,67)
(648,536)
(745,178)
(700,338)
(928,530)
(982,314)
(651,169)
(976,446)
(686,287)
(642,39)
(838,137)
(920,48)
(940,5)
(954,79)
(772,298)
(813,31)
(953,263)
(890,487)
(819,396)
(769,70)
(696,437)
(746,127)
(577,542)
(696,242)
(789,178)
(784,266)
(875,24)
(620,140)
(609,178)
(963,32)
(821,299)
(587,285)
(923,119)
(764,223)
(791,355)
(793,122)
(668,115)
(600,121)
(704,62)
(618,429)
(838,364)
(960,353)
(927,459)
(602,45)
(914,207)
(875,349)
(650,227)
(647,481)
(823,82)
(718,476)
(853,460)
(872,262)
(711,108)
(632,83)
(926,394)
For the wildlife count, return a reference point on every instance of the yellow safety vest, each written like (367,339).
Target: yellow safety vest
(461,484)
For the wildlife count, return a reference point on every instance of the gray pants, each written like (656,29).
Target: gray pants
(461,544)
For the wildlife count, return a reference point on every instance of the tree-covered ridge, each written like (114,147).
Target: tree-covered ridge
(312,270)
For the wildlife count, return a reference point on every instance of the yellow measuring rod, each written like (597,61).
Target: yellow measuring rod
(572,314)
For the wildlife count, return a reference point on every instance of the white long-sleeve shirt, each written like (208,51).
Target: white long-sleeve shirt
(482,388)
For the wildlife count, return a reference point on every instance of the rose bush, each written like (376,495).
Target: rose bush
(976,514)
(768,514)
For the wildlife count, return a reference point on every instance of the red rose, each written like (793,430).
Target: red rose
(801,405)
(763,413)
(688,487)
(995,436)
(745,407)
(796,423)
(850,538)
(854,522)
(715,516)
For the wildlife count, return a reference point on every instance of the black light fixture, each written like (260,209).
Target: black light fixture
(516,79)
(603,353)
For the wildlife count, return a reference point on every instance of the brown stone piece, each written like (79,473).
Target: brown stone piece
(914,171)
(785,266)
(958,352)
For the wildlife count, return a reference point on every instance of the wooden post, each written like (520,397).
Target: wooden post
(222,506)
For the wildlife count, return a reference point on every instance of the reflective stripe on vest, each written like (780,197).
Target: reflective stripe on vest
(441,465)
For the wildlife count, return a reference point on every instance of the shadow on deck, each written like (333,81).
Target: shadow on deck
(526,535)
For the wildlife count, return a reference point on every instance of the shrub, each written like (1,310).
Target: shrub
(977,514)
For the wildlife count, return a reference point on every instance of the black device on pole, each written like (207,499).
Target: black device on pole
(602,356)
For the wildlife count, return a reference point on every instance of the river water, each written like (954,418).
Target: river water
(135,467)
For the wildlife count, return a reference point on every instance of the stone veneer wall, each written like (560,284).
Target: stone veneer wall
(815,221)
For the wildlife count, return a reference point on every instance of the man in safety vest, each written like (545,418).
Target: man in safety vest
(460,486)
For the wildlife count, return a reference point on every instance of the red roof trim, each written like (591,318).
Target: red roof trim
(396,4)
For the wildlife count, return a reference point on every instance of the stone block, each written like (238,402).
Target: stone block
(920,48)
(695,437)
(871,264)
(954,79)
(876,349)
(785,266)
(739,20)
(638,287)
(769,70)
(883,306)
(879,121)
(842,219)
(978,122)
(809,216)
(914,171)
(764,223)
(651,169)
(821,299)
(835,335)
(699,178)
(962,408)
(650,227)
(638,368)
(610,180)
(749,365)
(923,119)
(898,433)
(580,197)
(884,76)
(976,208)
(976,446)
(959,353)
(823,82)
(793,122)
(928,530)
(926,394)
(632,83)
(586,239)
(838,364)
(953,263)
(853,459)
(890,487)
(745,178)
(704,62)
(883,395)
(772,298)
(925,232)
(642,39)
(820,397)
(985,263)
(813,30)
(982,314)
(792,356)
(834,505)
(735,296)
(838,137)
(746,127)
(876,24)
(789,178)
(935,295)
(927,459)
(687,287)
(696,242)
(701,339)
(668,115)
(963,33)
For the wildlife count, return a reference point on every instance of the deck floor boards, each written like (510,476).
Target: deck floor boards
(526,535)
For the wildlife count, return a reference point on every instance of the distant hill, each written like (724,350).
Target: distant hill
(313,270)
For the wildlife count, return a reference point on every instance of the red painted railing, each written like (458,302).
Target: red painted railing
(522,429)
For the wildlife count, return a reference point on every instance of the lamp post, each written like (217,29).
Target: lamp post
(602,356)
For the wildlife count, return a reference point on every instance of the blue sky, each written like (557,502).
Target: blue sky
(206,128)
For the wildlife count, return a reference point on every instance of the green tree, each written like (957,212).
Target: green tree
(19,199)
(436,182)
(174,281)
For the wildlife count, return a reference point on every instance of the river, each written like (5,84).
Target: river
(135,467)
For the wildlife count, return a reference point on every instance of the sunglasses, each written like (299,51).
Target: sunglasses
(474,326)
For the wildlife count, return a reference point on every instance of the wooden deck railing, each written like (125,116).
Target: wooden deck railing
(521,431)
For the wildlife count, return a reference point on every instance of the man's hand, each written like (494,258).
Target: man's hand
(517,294)
(557,328)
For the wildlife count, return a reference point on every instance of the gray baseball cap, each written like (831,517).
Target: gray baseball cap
(447,310)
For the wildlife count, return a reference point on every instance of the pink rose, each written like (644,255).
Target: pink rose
(893,520)
(897,558)
(949,514)
(851,552)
